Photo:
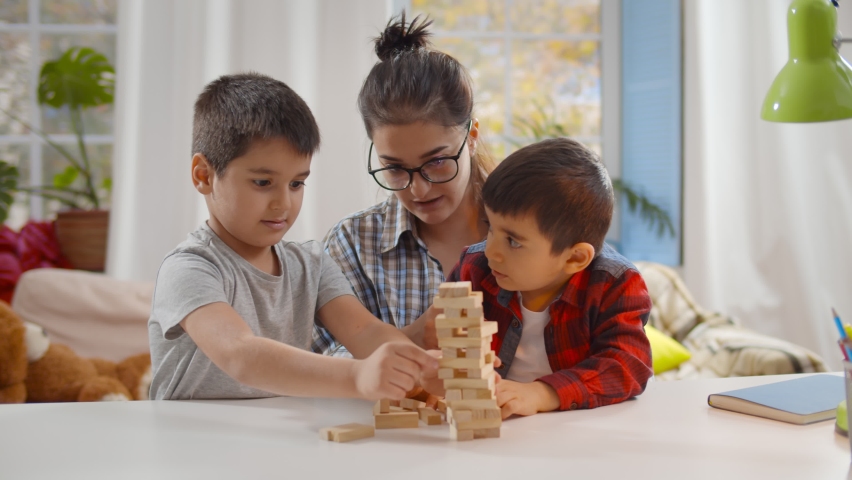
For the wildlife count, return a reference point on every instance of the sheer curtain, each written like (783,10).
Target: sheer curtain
(768,206)
(167,52)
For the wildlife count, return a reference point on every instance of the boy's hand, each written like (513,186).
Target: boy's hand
(429,378)
(422,331)
(392,370)
(515,398)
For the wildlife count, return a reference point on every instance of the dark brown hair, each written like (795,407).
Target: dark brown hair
(233,110)
(413,82)
(563,184)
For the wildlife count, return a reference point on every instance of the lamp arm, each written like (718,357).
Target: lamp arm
(838,40)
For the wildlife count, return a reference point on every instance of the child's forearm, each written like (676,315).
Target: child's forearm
(285,370)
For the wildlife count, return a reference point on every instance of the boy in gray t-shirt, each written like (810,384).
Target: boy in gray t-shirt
(235,305)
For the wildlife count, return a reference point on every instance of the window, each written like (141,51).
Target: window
(543,62)
(531,61)
(31,32)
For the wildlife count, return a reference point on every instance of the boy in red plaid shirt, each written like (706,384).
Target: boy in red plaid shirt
(570,310)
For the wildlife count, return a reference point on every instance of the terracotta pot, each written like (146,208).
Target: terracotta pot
(82,236)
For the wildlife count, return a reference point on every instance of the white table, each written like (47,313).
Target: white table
(668,432)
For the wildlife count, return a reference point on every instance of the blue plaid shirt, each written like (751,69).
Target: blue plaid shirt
(387,264)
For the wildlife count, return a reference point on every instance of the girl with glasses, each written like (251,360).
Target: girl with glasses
(417,107)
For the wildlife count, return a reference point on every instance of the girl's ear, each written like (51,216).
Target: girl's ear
(473,136)
(202,174)
(578,257)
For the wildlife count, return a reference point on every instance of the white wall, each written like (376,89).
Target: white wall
(169,50)
(768,206)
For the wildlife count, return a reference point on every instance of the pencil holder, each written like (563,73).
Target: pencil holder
(847,373)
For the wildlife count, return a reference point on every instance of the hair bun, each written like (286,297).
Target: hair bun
(399,36)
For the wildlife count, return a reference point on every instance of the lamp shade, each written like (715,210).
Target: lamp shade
(816,83)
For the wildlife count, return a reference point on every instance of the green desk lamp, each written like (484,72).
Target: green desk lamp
(816,83)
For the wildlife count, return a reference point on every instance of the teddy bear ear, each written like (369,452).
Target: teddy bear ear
(36,340)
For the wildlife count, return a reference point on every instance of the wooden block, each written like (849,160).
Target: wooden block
(471,404)
(465,342)
(482,413)
(422,396)
(394,403)
(483,372)
(441,406)
(475,363)
(476,424)
(396,409)
(463,312)
(489,357)
(346,433)
(443,333)
(454,289)
(452,353)
(456,416)
(477,394)
(487,329)
(460,435)
(411,404)
(476,352)
(472,301)
(443,321)
(446,373)
(463,383)
(453,394)
(397,420)
(429,416)
(487,433)
(382,406)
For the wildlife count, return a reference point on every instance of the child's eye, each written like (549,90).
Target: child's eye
(297,184)
(262,183)
(513,243)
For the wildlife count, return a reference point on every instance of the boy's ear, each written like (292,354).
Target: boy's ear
(579,257)
(202,174)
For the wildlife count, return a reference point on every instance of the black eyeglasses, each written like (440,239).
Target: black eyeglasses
(437,170)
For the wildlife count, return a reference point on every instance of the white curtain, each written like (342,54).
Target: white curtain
(768,206)
(168,51)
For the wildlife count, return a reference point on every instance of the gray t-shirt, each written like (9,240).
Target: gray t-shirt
(203,270)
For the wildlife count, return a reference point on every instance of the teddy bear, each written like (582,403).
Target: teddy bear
(33,369)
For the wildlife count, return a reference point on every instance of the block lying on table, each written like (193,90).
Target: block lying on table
(347,432)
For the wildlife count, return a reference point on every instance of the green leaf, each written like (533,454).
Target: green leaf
(80,78)
(106,184)
(66,177)
(647,210)
(8,185)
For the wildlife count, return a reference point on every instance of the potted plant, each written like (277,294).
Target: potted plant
(546,125)
(80,78)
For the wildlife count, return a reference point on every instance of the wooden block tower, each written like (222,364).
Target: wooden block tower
(467,366)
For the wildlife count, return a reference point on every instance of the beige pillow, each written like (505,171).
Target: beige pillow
(95,315)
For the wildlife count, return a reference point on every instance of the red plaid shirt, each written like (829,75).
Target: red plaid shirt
(595,340)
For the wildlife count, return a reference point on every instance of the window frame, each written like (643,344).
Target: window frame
(36,144)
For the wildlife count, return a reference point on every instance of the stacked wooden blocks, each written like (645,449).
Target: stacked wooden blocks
(405,413)
(467,364)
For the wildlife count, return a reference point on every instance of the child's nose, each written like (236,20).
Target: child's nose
(491,252)
(281,200)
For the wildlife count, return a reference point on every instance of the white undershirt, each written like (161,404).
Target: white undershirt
(530,360)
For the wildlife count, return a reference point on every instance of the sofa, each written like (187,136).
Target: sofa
(718,345)
(99,316)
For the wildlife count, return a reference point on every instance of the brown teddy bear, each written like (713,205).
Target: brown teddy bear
(13,357)
(52,372)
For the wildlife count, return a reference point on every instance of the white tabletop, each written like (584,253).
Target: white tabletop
(668,432)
